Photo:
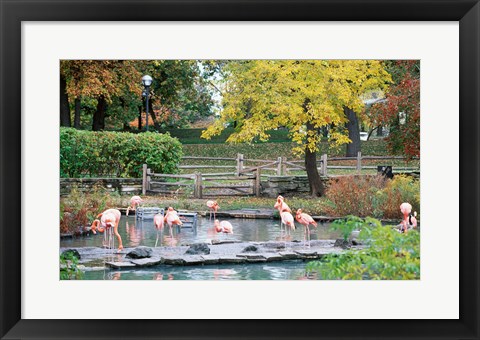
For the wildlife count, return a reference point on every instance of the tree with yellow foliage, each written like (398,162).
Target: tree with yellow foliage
(300,95)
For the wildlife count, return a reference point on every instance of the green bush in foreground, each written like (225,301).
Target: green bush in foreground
(117,154)
(388,255)
(69,267)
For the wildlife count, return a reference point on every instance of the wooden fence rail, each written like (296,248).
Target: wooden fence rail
(247,183)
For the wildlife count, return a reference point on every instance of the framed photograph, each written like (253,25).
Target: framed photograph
(435,44)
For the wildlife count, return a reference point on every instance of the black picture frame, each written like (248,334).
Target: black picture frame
(467,12)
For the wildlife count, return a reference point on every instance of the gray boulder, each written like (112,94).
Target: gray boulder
(250,248)
(198,249)
(140,253)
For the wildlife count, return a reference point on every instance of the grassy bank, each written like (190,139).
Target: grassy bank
(274,150)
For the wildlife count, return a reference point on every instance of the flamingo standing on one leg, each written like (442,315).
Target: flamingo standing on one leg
(159,221)
(171,218)
(306,220)
(213,206)
(287,219)
(134,204)
(408,218)
(223,227)
(109,220)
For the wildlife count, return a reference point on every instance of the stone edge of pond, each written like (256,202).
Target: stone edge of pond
(225,253)
(195,260)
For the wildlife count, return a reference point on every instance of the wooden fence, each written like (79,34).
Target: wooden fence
(240,178)
(246,183)
(281,166)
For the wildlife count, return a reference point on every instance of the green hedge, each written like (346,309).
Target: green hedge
(116,154)
(192,136)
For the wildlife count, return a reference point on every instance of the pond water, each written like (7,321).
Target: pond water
(288,270)
(136,232)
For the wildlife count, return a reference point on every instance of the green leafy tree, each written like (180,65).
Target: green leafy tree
(100,79)
(303,96)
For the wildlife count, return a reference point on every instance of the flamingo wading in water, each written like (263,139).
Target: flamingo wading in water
(213,206)
(281,206)
(287,219)
(108,223)
(158,221)
(223,227)
(171,218)
(134,204)
(305,220)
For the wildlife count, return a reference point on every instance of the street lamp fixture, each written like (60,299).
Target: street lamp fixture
(146,81)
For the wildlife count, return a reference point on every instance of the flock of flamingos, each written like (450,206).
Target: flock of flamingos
(107,221)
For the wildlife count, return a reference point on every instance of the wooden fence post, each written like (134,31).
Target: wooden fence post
(239,163)
(284,166)
(257,182)
(197,188)
(149,178)
(359,162)
(324,165)
(279,166)
(144,179)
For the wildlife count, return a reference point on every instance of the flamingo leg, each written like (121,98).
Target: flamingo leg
(156,241)
(308,230)
(304,236)
(115,230)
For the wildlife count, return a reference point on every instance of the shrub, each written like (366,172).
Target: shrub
(388,255)
(79,209)
(69,267)
(401,189)
(117,154)
(353,195)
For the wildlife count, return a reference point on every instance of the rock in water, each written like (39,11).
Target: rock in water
(71,253)
(198,249)
(140,253)
(249,248)
(340,242)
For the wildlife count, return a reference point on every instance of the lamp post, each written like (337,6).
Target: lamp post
(147,81)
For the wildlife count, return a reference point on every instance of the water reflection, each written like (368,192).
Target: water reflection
(291,270)
(143,233)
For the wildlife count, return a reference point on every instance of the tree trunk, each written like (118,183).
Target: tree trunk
(65,119)
(139,118)
(76,121)
(316,184)
(99,115)
(353,133)
(154,116)
(380,131)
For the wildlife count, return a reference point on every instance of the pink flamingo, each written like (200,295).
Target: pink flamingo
(287,219)
(158,221)
(223,227)
(306,220)
(108,222)
(281,205)
(213,206)
(409,219)
(134,204)
(171,218)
